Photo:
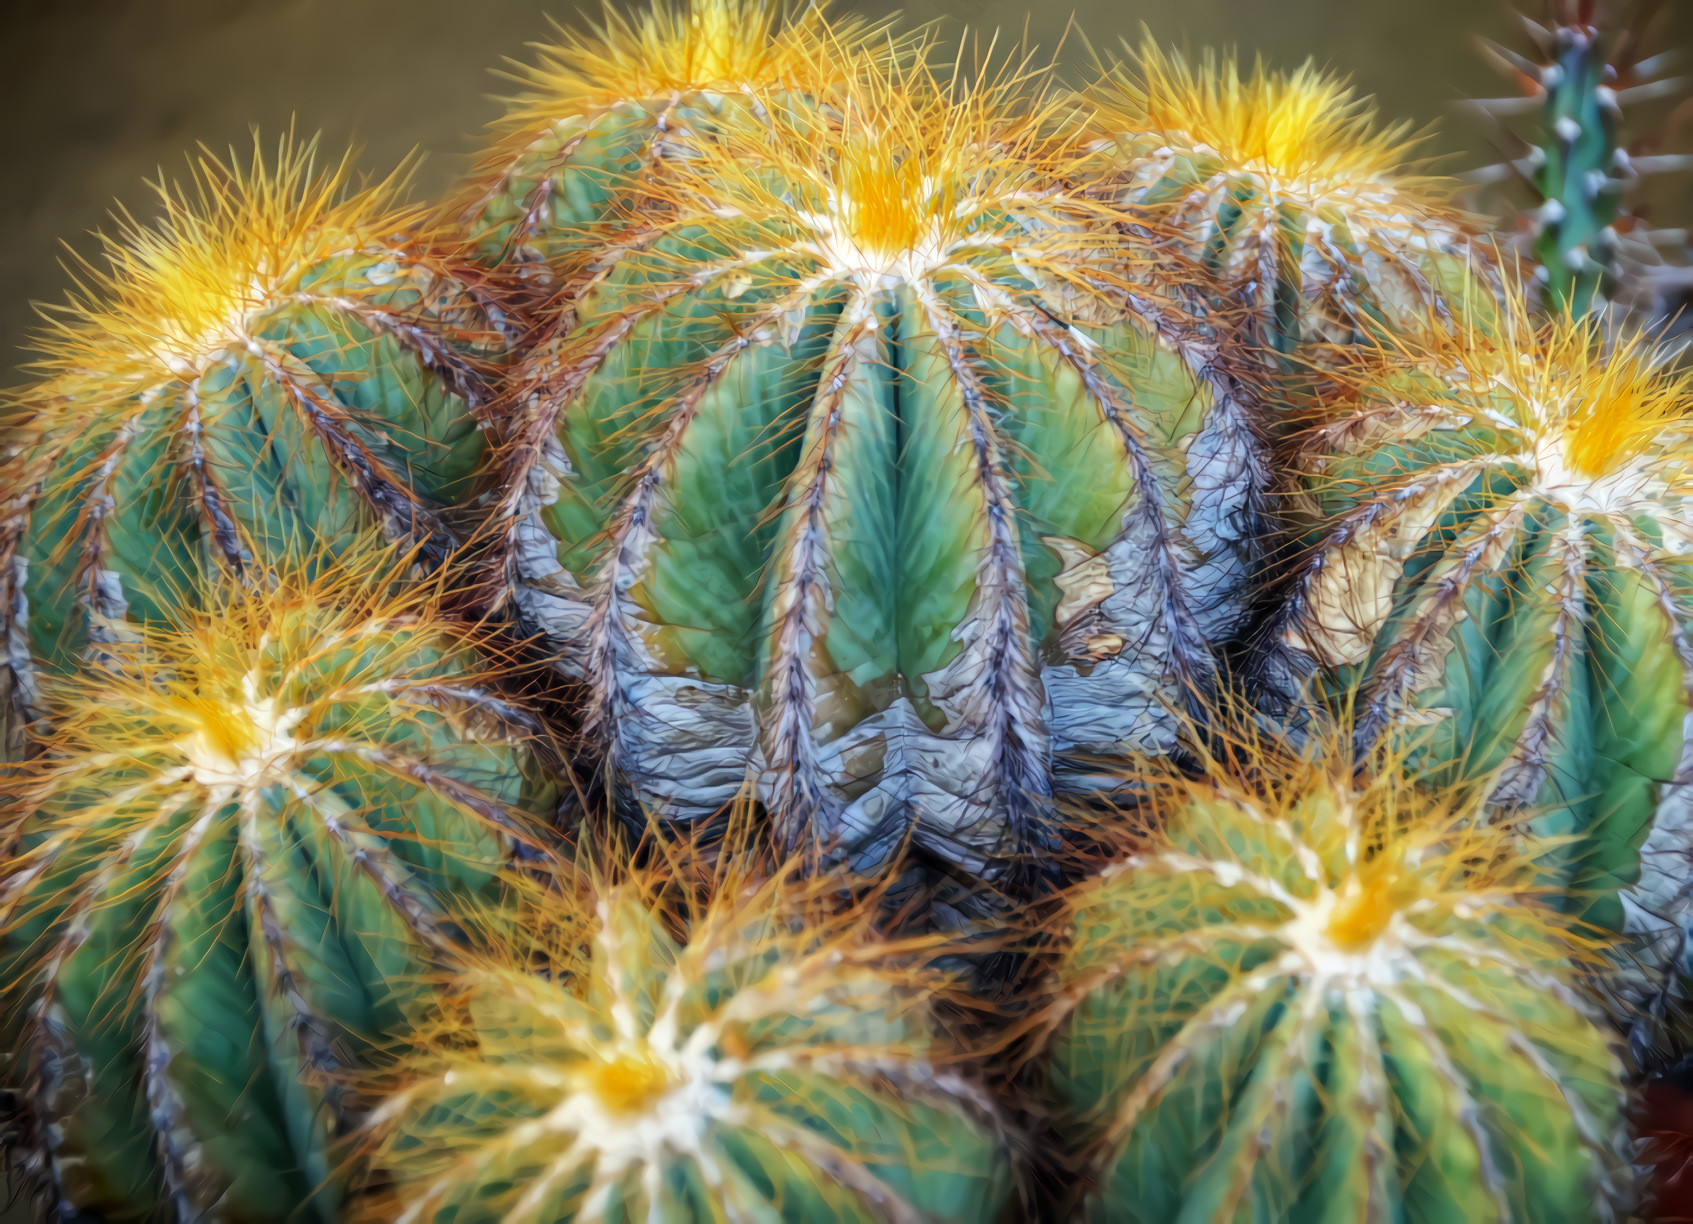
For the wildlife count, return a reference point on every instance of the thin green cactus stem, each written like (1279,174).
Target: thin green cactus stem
(1578,175)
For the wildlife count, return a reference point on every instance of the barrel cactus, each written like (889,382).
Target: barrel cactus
(278,361)
(1504,563)
(224,884)
(1323,997)
(880,484)
(777,1065)
(1291,190)
(602,111)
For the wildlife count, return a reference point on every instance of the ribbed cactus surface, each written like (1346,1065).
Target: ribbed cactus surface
(1320,999)
(1288,187)
(1503,566)
(277,361)
(878,484)
(776,1066)
(223,890)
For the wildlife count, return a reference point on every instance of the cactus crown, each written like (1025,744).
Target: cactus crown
(1594,411)
(233,242)
(899,186)
(1362,870)
(1586,425)
(1591,423)
(1304,128)
(320,661)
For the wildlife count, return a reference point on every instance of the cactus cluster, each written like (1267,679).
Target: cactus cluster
(837,637)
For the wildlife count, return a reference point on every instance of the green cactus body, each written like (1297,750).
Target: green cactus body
(273,367)
(1581,195)
(1575,166)
(773,1068)
(1505,566)
(602,114)
(1586,159)
(1284,186)
(1307,1006)
(225,887)
(856,489)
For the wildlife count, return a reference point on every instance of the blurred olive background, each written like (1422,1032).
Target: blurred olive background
(102,94)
